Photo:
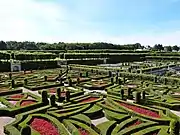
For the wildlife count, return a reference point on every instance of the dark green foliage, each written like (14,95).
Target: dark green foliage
(10,76)
(67,96)
(70,82)
(110,74)
(45,78)
(78,80)
(53,100)
(119,81)
(116,79)
(25,81)
(155,79)
(80,74)
(26,130)
(87,74)
(45,97)
(92,71)
(143,94)
(122,93)
(137,97)
(12,83)
(112,80)
(58,92)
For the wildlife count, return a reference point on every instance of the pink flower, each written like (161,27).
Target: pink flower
(83,132)
(27,102)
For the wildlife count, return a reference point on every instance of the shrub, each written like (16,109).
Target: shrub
(143,94)
(174,125)
(25,81)
(67,96)
(26,130)
(112,80)
(12,83)
(45,78)
(58,93)
(78,80)
(122,93)
(10,76)
(80,74)
(53,100)
(119,81)
(137,97)
(70,82)
(110,74)
(45,97)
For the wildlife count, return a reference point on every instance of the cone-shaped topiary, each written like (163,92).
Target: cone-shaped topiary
(143,94)
(70,82)
(45,97)
(78,80)
(10,76)
(137,97)
(87,74)
(26,130)
(110,74)
(80,74)
(122,93)
(53,100)
(112,80)
(119,81)
(45,78)
(67,96)
(58,92)
(25,81)
(92,71)
(12,83)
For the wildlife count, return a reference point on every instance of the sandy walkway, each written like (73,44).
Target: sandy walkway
(4,121)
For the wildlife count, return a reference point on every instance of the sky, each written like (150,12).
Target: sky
(147,22)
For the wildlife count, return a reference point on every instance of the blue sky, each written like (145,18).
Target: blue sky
(116,21)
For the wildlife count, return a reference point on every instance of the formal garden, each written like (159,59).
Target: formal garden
(90,100)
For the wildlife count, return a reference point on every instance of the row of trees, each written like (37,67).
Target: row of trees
(14,45)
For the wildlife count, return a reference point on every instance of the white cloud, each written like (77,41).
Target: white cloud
(51,22)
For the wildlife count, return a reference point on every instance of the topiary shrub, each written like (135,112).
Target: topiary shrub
(78,80)
(26,130)
(80,74)
(67,96)
(45,78)
(112,80)
(155,79)
(87,74)
(53,100)
(10,76)
(137,97)
(119,81)
(143,95)
(25,81)
(129,93)
(12,83)
(58,93)
(122,93)
(110,74)
(70,82)
(45,97)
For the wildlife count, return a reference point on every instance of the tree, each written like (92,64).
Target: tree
(176,48)
(168,48)
(158,47)
(3,45)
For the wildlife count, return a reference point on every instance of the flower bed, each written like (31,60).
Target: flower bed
(27,102)
(44,127)
(89,99)
(138,122)
(83,132)
(52,90)
(13,101)
(141,110)
(17,96)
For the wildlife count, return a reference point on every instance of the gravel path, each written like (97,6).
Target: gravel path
(4,121)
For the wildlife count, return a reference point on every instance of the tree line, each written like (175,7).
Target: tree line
(26,45)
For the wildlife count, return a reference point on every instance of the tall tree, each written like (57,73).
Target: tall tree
(3,45)
(175,47)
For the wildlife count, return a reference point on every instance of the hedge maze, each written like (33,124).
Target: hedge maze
(90,100)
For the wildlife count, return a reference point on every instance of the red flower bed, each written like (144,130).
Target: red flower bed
(89,99)
(141,110)
(135,123)
(17,96)
(83,132)
(27,102)
(44,127)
